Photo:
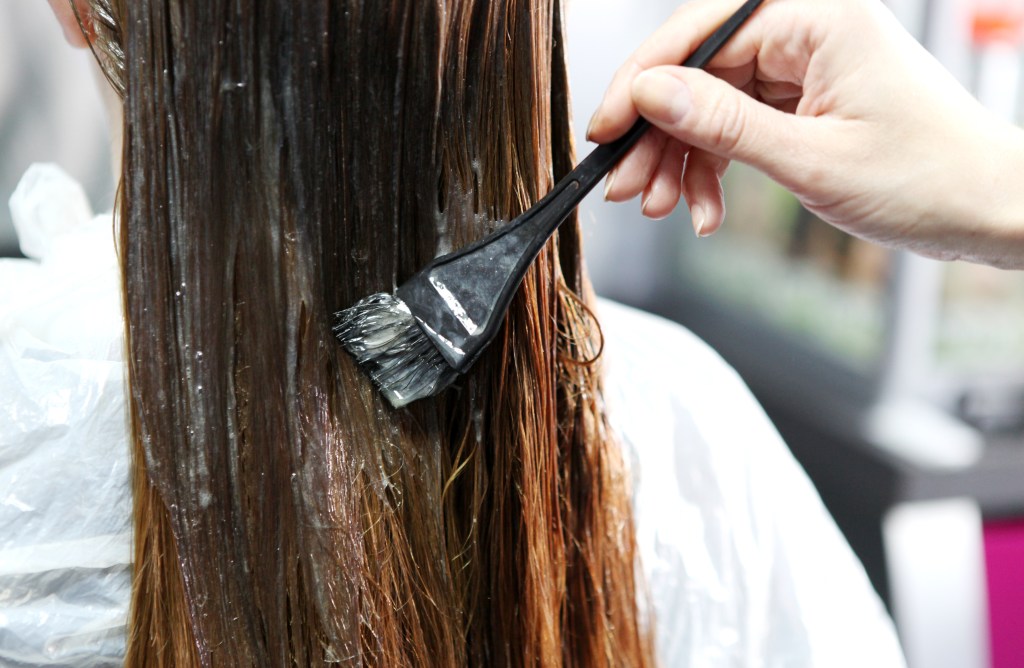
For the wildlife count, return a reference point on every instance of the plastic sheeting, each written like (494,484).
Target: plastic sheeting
(744,565)
(65,504)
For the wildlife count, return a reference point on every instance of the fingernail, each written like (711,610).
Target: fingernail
(596,117)
(699,218)
(644,202)
(661,97)
(608,181)
(590,127)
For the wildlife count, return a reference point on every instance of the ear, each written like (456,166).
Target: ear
(73,32)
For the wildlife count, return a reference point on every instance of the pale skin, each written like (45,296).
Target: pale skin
(836,102)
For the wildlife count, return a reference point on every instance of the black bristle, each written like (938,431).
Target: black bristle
(388,343)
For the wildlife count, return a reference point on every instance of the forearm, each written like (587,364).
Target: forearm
(985,195)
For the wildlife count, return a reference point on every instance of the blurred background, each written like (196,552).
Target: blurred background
(51,109)
(898,382)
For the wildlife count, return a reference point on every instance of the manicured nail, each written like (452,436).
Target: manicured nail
(608,181)
(645,201)
(661,97)
(699,218)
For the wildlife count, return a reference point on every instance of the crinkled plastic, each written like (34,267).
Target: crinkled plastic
(65,507)
(744,565)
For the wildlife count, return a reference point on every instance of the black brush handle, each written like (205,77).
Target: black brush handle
(460,299)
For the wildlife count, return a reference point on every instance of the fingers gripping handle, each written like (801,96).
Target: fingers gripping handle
(603,158)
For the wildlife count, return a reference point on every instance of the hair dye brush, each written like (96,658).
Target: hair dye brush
(414,343)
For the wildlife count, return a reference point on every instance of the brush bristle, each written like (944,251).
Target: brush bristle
(388,343)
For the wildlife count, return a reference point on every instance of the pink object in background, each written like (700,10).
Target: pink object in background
(1004,566)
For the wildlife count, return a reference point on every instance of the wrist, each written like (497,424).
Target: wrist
(1004,206)
(986,212)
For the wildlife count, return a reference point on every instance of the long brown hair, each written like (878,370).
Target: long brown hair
(283,159)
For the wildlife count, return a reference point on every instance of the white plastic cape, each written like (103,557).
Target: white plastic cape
(744,565)
(65,505)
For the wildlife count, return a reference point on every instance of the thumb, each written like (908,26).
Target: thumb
(703,111)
